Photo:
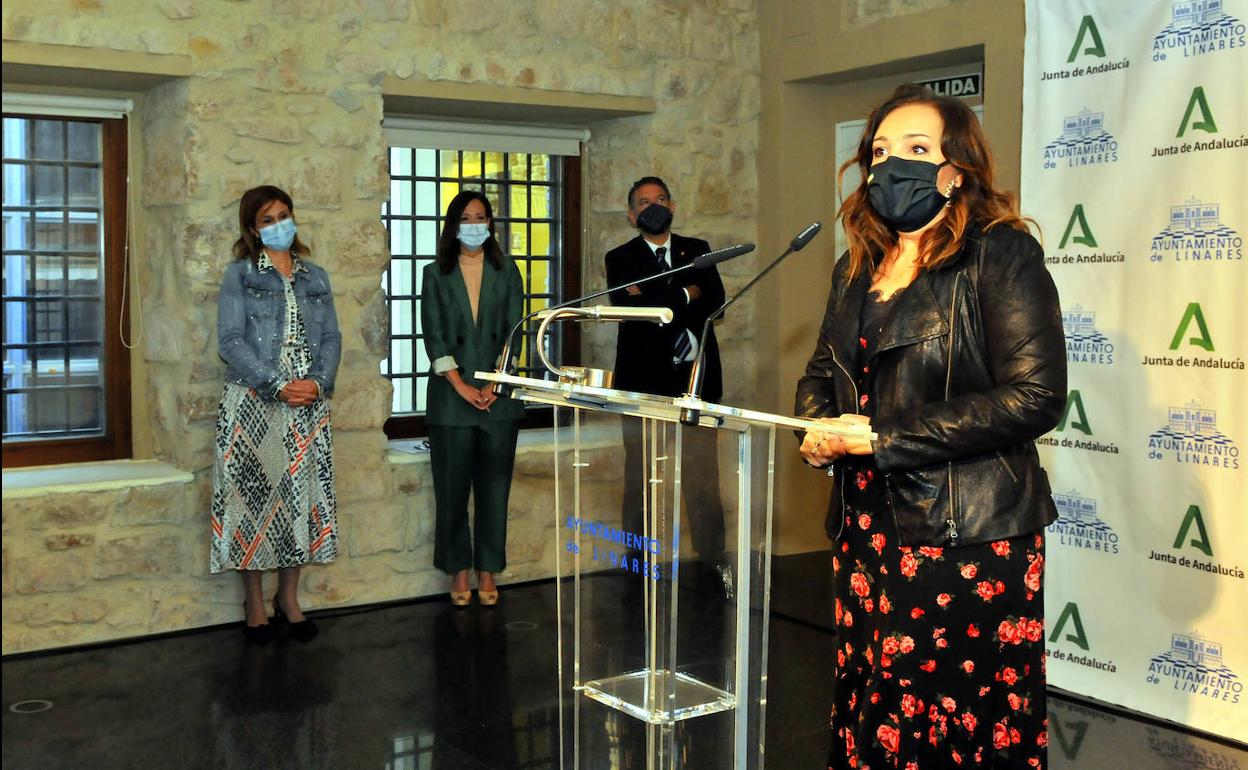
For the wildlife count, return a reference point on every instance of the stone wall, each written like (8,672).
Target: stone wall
(289,92)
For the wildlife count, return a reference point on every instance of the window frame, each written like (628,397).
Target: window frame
(116,441)
(411,426)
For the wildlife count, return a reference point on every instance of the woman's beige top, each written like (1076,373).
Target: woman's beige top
(471,268)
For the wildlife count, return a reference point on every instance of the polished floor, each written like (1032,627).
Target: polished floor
(421,685)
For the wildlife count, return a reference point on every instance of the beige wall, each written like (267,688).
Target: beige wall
(291,92)
(827,62)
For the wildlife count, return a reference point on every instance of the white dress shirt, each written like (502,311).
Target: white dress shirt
(667,258)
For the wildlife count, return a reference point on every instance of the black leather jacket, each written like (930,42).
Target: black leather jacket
(971,370)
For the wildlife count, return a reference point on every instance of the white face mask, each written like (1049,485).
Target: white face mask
(473,235)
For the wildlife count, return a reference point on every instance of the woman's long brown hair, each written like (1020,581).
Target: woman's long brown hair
(977,201)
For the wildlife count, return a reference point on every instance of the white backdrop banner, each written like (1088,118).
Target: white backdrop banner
(1135,164)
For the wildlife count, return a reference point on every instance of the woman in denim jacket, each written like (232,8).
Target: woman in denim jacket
(273,479)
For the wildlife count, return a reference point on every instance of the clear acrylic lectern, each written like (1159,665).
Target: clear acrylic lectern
(663,650)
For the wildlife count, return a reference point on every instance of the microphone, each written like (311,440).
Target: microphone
(710,258)
(804,237)
(689,415)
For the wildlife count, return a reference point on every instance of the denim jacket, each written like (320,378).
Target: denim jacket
(251,310)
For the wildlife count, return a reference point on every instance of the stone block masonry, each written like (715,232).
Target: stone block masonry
(289,92)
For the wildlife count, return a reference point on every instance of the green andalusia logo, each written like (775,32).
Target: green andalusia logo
(1074,401)
(1201,339)
(1083,235)
(1198,117)
(1067,736)
(1198,27)
(1085,344)
(1184,538)
(1192,331)
(1084,142)
(1079,526)
(1088,44)
(1089,39)
(1194,666)
(1075,419)
(1198,108)
(1193,548)
(1195,233)
(1069,630)
(1192,438)
(1078,233)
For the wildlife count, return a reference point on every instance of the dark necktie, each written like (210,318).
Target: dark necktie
(681,345)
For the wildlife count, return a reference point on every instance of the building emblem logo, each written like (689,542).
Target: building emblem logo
(1084,142)
(1084,343)
(1192,437)
(1198,27)
(1079,526)
(1193,665)
(1195,233)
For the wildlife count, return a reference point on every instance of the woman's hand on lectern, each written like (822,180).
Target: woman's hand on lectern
(821,449)
(855,444)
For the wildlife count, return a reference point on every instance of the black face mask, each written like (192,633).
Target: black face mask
(903,192)
(655,219)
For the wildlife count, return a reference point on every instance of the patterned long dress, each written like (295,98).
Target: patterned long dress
(939,651)
(273,500)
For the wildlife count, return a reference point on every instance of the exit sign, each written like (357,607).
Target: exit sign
(971,84)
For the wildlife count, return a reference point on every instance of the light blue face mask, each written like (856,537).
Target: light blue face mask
(279,235)
(473,235)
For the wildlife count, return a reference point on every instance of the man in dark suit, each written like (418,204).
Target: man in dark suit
(650,358)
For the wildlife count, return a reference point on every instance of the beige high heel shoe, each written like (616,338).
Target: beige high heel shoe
(461,598)
(488,598)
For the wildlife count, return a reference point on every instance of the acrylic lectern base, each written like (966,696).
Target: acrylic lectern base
(632,693)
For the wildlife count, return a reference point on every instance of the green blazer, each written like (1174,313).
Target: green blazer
(453,340)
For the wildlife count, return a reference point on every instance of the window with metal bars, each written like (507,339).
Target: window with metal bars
(66,373)
(536,205)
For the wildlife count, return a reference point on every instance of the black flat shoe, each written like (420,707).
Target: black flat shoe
(303,631)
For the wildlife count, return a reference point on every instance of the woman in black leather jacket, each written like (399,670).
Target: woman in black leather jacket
(943,332)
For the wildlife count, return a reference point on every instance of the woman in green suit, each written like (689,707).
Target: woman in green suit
(472,297)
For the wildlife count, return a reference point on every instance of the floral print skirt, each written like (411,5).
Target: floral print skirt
(939,651)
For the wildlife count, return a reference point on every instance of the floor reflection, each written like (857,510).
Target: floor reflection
(1081,736)
(425,687)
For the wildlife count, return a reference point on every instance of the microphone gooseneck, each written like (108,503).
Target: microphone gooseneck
(689,415)
(711,258)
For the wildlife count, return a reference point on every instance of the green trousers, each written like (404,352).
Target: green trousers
(480,459)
